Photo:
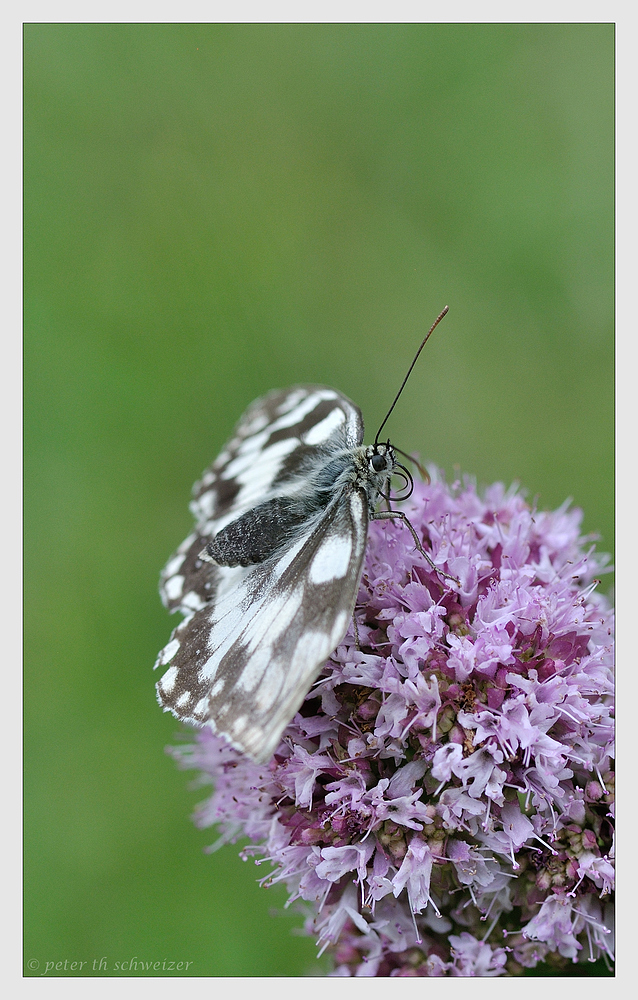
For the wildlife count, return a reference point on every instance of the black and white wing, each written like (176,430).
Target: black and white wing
(256,636)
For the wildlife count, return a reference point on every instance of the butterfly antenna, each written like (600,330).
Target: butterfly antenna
(416,356)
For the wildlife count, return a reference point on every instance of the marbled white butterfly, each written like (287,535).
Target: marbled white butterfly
(269,578)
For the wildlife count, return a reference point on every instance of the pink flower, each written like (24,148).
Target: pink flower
(443,802)
(414,875)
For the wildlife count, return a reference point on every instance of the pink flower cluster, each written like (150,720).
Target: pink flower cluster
(443,802)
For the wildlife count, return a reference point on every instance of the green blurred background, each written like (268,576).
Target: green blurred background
(214,210)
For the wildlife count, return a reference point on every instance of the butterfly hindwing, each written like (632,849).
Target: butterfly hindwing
(245,663)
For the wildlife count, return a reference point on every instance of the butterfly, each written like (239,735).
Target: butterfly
(268,579)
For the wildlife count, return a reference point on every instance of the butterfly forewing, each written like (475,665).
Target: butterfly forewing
(256,636)
(276,443)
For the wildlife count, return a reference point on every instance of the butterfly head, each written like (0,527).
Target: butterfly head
(382,465)
(381,459)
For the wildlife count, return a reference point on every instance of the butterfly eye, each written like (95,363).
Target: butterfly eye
(378,462)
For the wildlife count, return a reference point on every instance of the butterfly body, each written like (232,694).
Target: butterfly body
(269,580)
(266,529)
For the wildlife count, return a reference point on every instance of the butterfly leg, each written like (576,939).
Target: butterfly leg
(384,515)
(386,498)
